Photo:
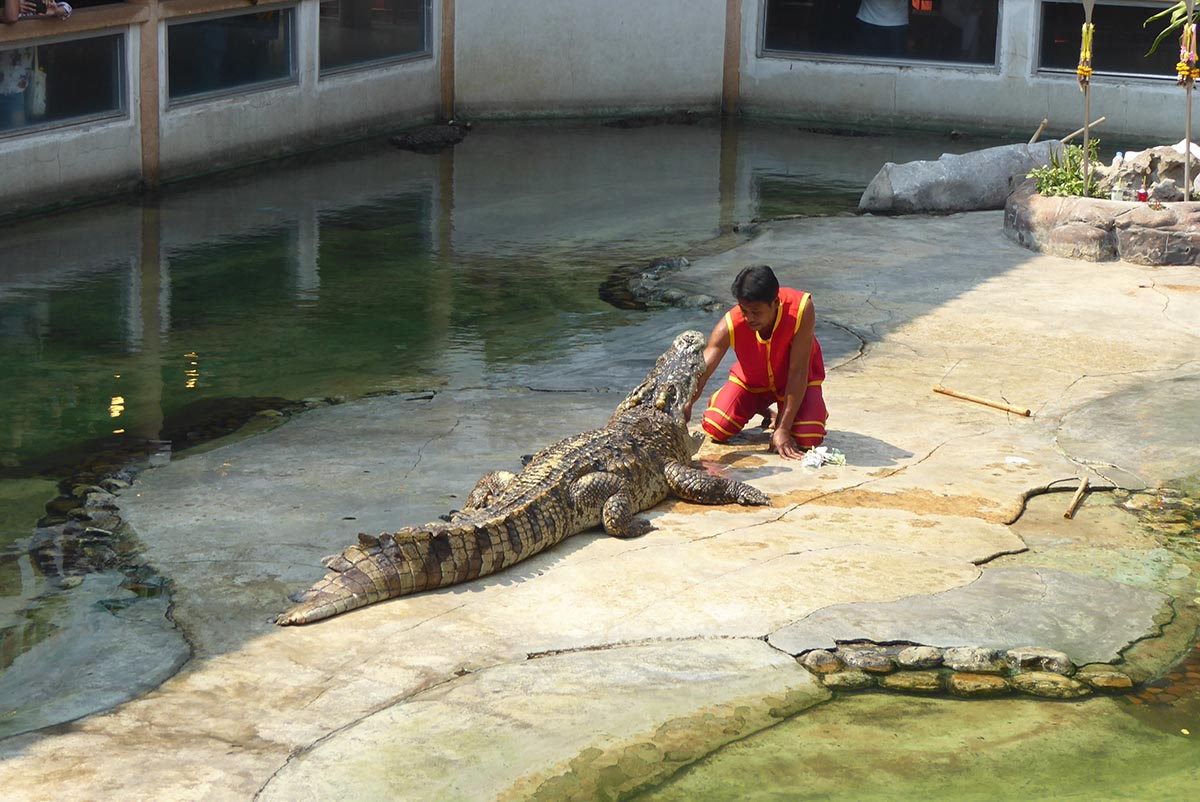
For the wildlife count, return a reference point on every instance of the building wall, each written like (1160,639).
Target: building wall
(197,136)
(531,57)
(77,161)
(112,156)
(1011,96)
(525,58)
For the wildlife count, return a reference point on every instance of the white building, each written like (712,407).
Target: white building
(147,91)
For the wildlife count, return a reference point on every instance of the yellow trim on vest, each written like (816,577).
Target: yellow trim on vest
(729,325)
(800,312)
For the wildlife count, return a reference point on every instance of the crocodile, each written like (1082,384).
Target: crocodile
(600,477)
(432,138)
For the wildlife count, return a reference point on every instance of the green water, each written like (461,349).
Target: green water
(883,747)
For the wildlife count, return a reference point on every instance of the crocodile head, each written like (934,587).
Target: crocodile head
(670,385)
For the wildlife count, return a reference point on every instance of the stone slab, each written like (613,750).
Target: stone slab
(1090,619)
(1140,437)
(488,730)
(923,501)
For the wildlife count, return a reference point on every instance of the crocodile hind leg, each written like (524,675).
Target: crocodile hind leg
(489,486)
(609,493)
(699,487)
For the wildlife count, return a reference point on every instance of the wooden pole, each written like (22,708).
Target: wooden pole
(1187,126)
(1075,499)
(1088,7)
(986,402)
(1187,147)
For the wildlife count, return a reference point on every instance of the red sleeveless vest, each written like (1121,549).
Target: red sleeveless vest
(762,365)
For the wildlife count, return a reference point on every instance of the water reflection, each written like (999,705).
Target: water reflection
(131,331)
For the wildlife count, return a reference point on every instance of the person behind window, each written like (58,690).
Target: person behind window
(883,27)
(16,65)
(16,69)
(965,15)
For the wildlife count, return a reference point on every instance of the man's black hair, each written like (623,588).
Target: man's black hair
(756,283)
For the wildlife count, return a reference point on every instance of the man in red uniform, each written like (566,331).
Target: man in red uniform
(778,361)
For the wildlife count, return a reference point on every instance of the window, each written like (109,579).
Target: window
(54,83)
(1119,44)
(962,31)
(229,53)
(357,32)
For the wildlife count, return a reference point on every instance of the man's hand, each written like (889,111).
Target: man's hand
(783,444)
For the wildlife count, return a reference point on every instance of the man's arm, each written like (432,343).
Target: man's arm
(12,11)
(714,352)
(797,385)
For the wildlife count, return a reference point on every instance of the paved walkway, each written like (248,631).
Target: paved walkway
(609,661)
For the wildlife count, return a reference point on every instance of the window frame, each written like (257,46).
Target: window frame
(1151,7)
(294,69)
(122,112)
(763,52)
(425,53)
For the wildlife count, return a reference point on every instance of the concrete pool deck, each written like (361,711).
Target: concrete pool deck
(605,662)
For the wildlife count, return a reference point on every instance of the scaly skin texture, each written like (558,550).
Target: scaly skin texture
(602,477)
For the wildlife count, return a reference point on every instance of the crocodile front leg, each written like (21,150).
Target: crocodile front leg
(699,487)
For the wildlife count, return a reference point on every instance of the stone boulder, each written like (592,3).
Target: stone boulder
(1160,170)
(1098,230)
(981,179)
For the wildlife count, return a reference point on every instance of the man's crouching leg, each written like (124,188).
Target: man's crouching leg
(729,410)
(808,430)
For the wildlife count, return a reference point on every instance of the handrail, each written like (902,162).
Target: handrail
(115,15)
(93,18)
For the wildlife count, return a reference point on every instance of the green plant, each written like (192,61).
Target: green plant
(1064,174)
(1178,15)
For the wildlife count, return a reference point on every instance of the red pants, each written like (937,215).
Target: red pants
(732,407)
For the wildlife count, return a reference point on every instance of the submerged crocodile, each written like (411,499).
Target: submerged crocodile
(604,477)
(431,138)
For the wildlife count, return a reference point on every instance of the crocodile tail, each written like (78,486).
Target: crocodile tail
(374,569)
(391,565)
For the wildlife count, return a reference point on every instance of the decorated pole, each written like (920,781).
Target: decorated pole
(1188,73)
(1084,72)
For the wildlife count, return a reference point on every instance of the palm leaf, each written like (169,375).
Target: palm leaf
(1178,14)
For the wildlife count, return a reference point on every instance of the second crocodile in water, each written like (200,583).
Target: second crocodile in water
(604,476)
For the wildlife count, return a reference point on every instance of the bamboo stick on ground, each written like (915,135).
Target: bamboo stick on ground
(1074,134)
(985,401)
(1075,499)
(1040,128)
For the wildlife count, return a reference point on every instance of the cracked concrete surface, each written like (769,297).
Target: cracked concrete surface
(437,692)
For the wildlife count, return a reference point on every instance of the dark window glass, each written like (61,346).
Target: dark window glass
(61,81)
(227,53)
(361,31)
(1119,42)
(918,30)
